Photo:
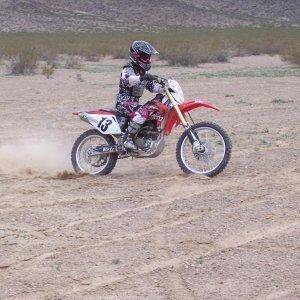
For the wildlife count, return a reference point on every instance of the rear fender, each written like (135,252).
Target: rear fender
(96,111)
(172,118)
(104,121)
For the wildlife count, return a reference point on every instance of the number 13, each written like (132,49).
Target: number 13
(104,123)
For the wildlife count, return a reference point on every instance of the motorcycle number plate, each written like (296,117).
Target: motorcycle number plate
(106,124)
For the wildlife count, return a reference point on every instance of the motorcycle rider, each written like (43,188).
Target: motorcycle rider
(134,79)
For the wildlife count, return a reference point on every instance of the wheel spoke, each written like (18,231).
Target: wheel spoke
(87,163)
(209,160)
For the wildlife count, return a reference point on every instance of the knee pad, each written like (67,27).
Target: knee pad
(138,118)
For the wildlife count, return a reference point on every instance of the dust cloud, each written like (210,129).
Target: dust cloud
(34,158)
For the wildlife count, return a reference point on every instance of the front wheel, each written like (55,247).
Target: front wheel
(84,159)
(213,155)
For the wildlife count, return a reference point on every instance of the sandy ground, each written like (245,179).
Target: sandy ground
(147,231)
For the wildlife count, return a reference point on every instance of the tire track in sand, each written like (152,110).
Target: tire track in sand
(245,237)
(175,222)
(171,196)
(172,281)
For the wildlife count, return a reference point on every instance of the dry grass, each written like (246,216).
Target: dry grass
(292,53)
(23,61)
(73,62)
(192,56)
(119,52)
(293,57)
(186,47)
(47,70)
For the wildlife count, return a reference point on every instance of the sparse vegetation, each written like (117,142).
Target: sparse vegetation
(120,52)
(199,260)
(265,142)
(48,55)
(115,261)
(247,72)
(185,56)
(22,61)
(47,70)
(293,57)
(79,77)
(73,62)
(285,136)
(292,53)
(281,101)
(186,47)
(266,130)
(255,132)
(57,266)
(243,102)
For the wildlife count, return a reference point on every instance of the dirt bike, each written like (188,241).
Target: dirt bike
(203,147)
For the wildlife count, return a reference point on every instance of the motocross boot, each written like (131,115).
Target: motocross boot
(132,129)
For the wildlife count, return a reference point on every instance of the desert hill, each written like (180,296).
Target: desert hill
(62,15)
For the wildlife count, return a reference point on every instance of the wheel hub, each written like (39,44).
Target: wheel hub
(198,148)
(206,152)
(95,160)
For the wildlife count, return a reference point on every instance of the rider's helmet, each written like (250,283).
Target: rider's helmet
(140,54)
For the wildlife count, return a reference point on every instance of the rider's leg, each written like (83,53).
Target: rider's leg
(128,106)
(133,127)
(139,114)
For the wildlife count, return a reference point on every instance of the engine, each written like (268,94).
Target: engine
(147,137)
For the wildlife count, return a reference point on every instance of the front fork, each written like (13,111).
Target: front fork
(193,136)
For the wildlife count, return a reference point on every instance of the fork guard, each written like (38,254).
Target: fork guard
(172,118)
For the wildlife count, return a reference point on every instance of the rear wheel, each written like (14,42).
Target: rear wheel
(84,159)
(213,155)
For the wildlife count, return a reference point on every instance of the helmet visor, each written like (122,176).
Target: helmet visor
(144,57)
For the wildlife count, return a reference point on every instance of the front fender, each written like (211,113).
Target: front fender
(172,118)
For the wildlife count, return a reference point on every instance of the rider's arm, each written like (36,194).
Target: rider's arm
(129,78)
(154,87)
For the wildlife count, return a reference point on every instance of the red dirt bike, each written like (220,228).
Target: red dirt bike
(203,147)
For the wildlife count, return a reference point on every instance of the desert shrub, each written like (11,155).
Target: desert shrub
(184,46)
(221,57)
(182,58)
(47,70)
(73,62)
(92,57)
(192,56)
(49,56)
(120,52)
(23,61)
(293,57)
(292,53)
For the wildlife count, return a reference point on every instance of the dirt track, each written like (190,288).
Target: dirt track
(147,230)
